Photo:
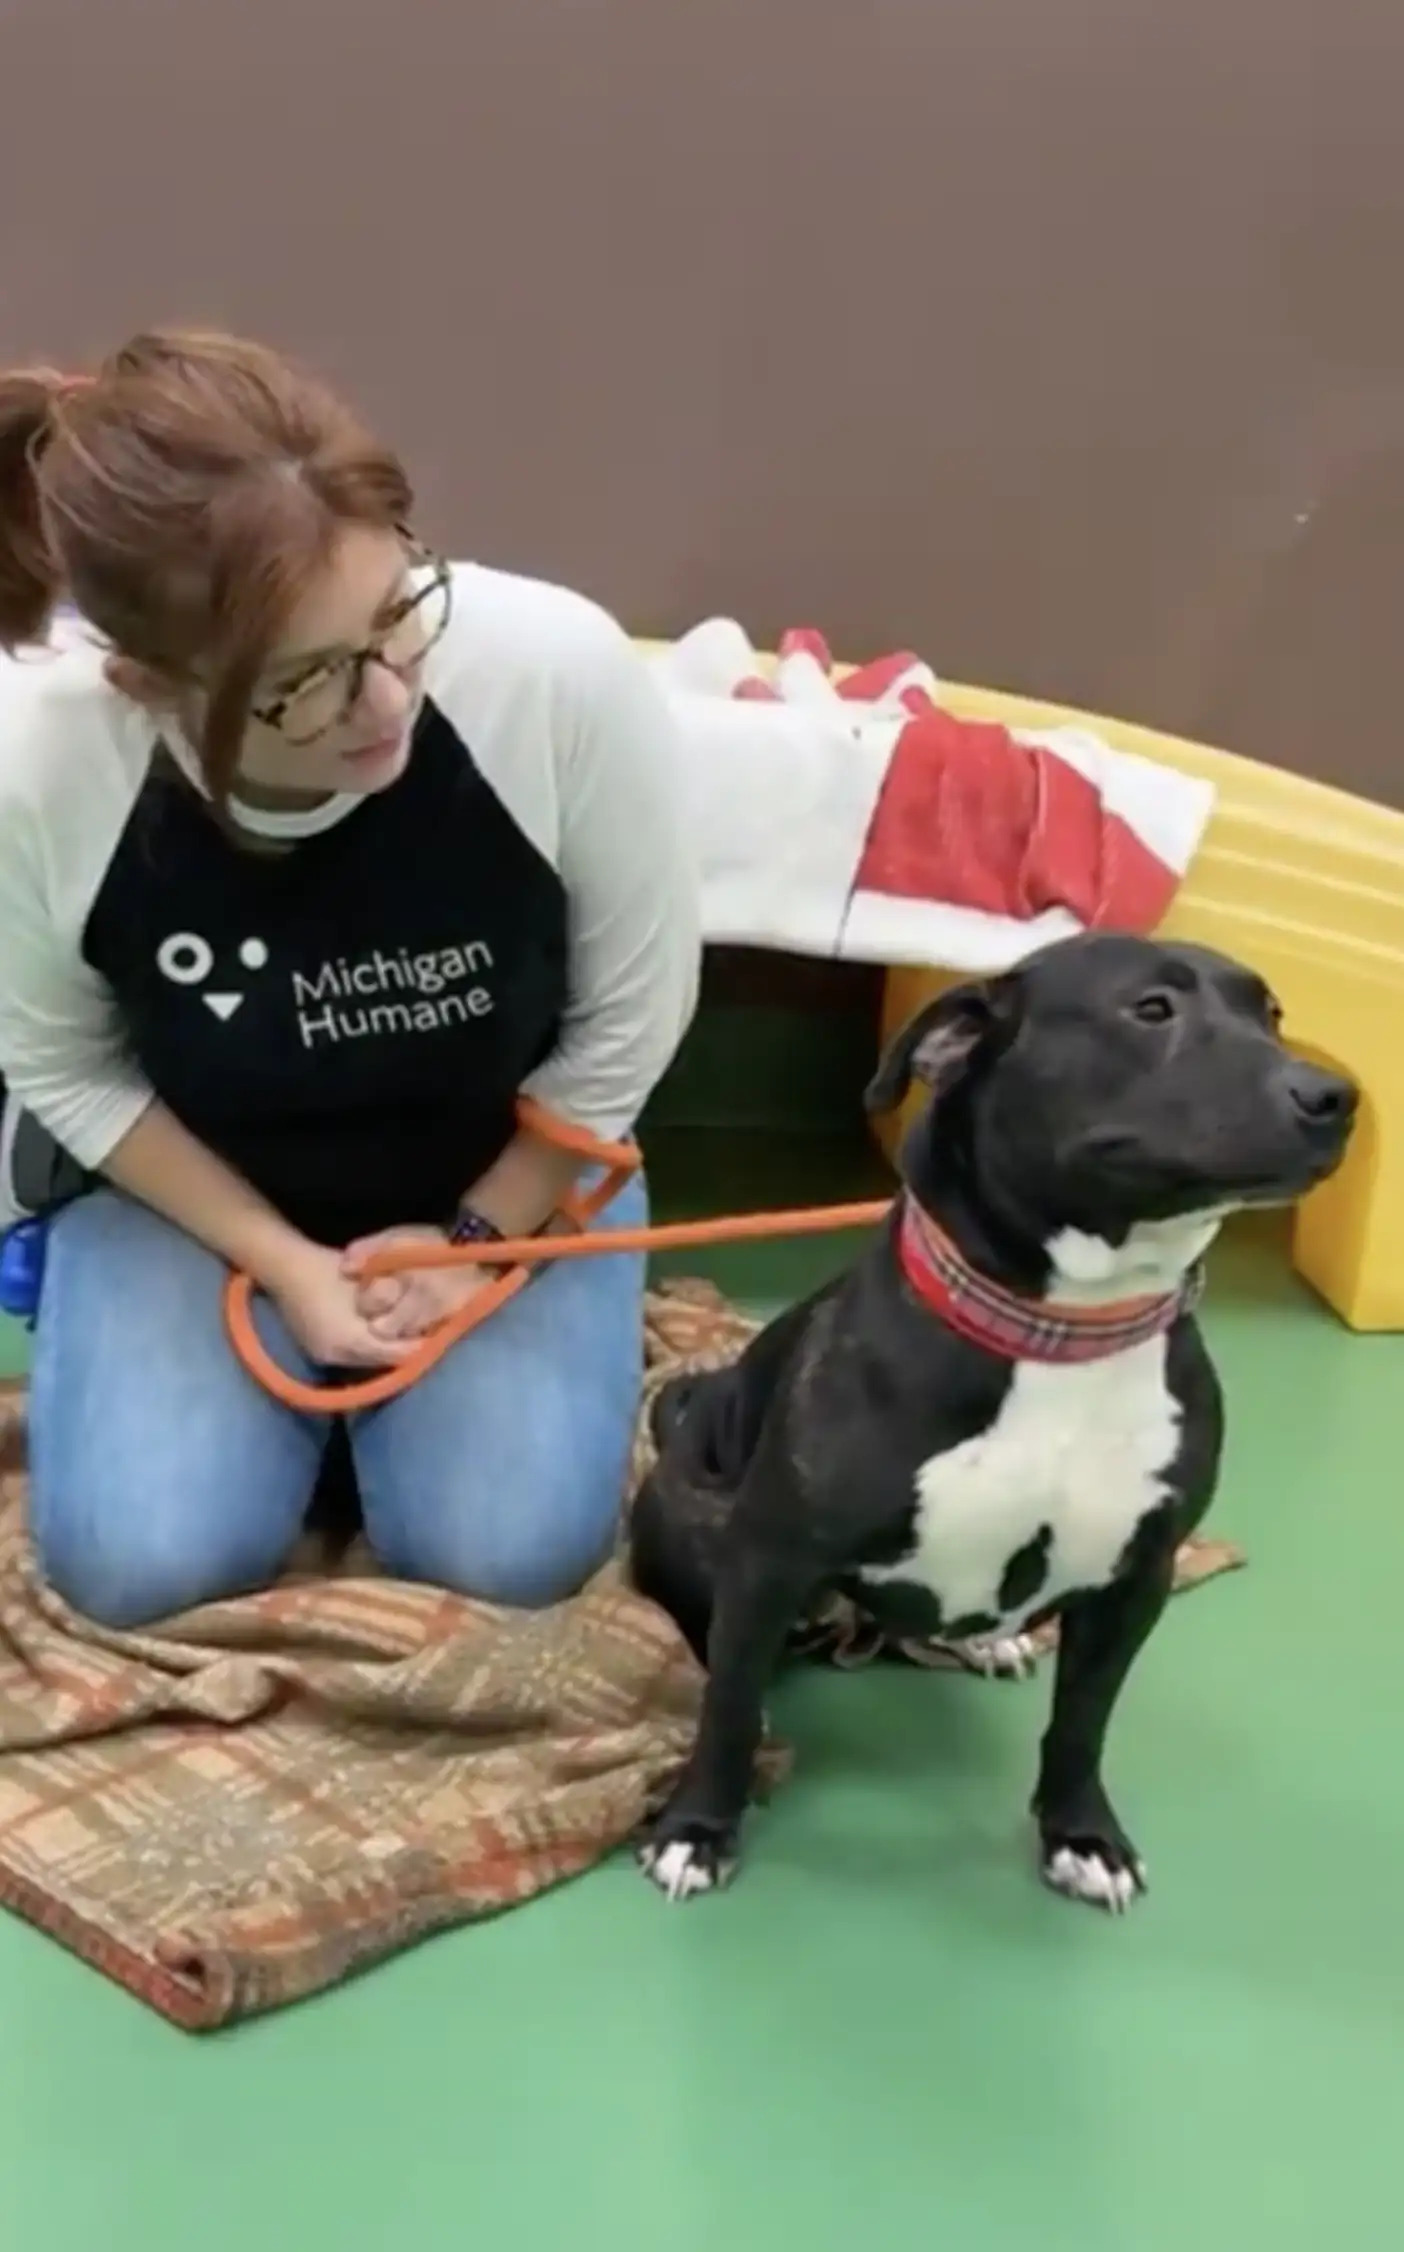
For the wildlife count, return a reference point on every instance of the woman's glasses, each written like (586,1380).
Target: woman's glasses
(327,694)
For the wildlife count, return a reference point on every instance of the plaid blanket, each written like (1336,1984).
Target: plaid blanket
(263,1796)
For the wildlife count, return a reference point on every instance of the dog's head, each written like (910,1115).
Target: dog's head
(1113,1081)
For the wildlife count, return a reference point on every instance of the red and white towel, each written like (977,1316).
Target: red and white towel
(859,819)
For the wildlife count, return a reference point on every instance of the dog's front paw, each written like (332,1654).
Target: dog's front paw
(1087,1856)
(686,1858)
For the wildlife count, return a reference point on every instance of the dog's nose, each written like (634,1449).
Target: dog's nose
(1322,1097)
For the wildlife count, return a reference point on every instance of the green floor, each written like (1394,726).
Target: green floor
(888,2035)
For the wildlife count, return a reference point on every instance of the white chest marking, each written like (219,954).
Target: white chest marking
(1081,1450)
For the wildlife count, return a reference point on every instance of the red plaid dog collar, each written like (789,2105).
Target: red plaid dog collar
(1027,1329)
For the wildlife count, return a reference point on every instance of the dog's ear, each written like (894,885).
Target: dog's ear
(940,1040)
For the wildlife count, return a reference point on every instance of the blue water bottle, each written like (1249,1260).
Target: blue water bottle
(22,1268)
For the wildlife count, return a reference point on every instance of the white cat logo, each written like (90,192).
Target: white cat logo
(187,959)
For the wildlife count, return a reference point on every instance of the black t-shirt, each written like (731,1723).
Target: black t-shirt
(346,1005)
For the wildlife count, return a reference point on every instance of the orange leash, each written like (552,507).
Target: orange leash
(518,1257)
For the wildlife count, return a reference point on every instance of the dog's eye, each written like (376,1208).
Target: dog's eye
(1154,1008)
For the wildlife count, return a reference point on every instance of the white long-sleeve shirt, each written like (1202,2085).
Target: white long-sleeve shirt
(349,1020)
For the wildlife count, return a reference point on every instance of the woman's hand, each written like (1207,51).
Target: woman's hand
(519,1194)
(318,1301)
(401,1308)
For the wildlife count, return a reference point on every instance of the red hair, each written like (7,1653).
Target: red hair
(183,498)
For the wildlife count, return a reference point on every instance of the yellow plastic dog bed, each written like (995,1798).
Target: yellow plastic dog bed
(1306,884)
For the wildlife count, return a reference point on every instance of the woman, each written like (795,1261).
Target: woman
(314,853)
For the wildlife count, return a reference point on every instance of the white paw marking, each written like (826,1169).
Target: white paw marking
(679,1872)
(1085,1876)
(1010,1657)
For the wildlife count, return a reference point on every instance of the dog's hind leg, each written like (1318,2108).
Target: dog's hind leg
(675,1534)
(693,1845)
(704,1427)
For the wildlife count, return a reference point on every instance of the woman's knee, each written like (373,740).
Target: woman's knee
(524,1533)
(501,1473)
(511,1576)
(118,1572)
(127,1537)
(159,1478)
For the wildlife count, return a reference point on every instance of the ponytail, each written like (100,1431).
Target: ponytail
(30,578)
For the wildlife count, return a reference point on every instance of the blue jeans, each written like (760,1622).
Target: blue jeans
(162,1475)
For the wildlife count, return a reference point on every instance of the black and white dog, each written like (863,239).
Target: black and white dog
(1004,1411)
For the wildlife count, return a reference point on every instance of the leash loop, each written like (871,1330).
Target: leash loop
(518,1257)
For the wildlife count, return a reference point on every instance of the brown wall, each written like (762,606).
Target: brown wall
(1063,338)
